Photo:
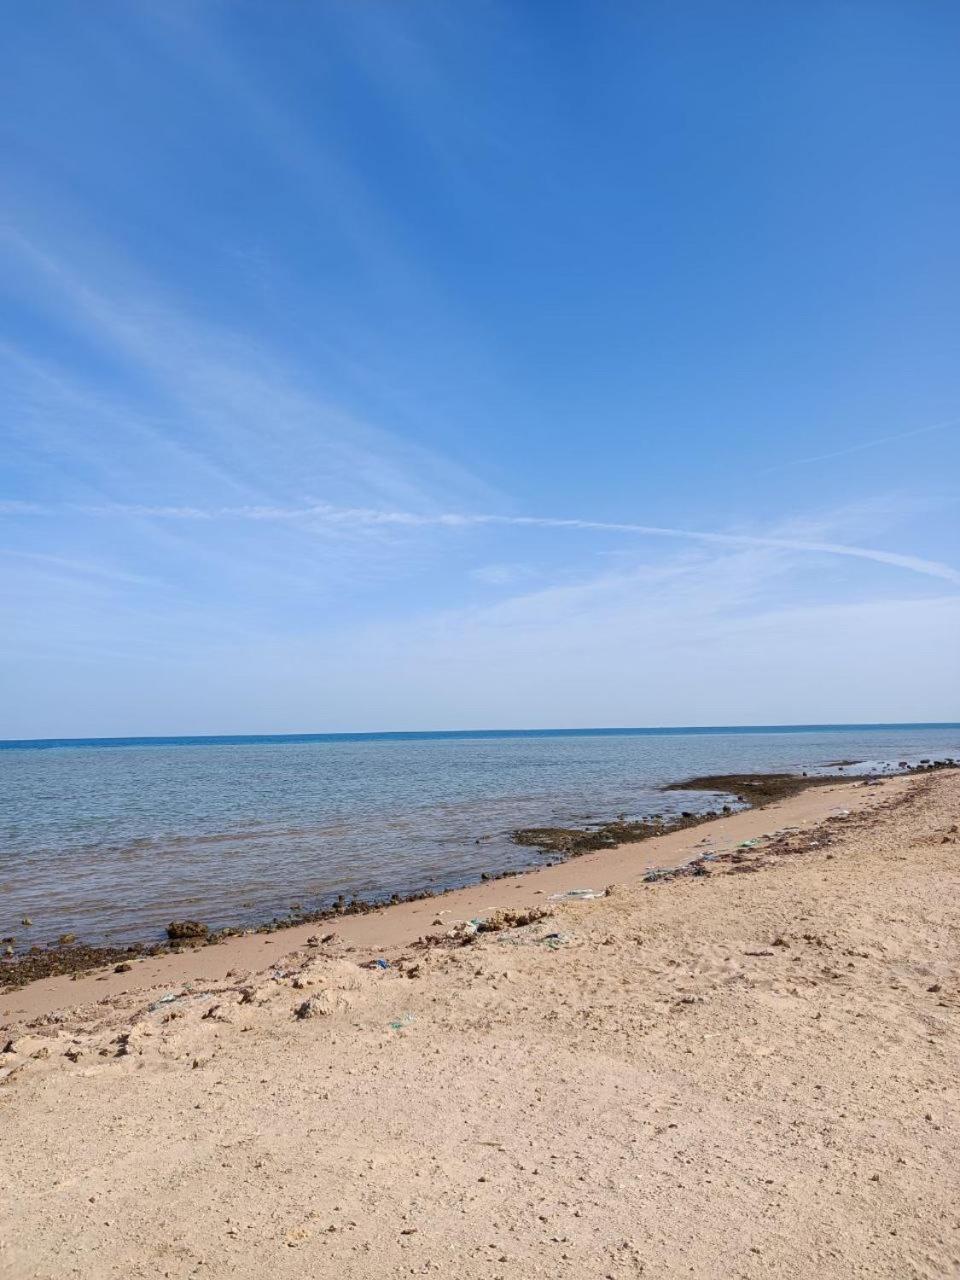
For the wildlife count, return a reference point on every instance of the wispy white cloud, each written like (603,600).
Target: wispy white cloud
(717,636)
(252,419)
(501,575)
(13,507)
(692,640)
(324,514)
(305,150)
(83,568)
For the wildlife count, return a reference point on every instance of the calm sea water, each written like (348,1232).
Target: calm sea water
(111,838)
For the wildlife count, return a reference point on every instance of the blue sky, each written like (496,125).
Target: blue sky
(430,365)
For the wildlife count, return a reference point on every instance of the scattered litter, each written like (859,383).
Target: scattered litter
(529,935)
(379,963)
(167,999)
(555,940)
(498,921)
(171,997)
(403,1021)
(577,895)
(463,929)
(748,844)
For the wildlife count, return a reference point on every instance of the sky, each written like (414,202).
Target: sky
(415,365)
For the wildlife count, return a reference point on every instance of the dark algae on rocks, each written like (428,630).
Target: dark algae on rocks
(756,789)
(571,842)
(759,789)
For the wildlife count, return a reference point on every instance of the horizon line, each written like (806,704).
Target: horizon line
(224,738)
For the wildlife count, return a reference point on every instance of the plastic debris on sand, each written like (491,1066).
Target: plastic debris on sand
(167,999)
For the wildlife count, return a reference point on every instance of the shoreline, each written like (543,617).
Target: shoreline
(73,957)
(82,947)
(391,926)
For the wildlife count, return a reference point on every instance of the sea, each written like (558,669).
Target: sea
(109,839)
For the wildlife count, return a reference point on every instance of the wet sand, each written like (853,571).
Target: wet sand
(748,1073)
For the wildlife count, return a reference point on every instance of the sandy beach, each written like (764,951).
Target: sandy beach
(750,1072)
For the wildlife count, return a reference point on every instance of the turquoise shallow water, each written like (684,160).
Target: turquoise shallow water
(110,839)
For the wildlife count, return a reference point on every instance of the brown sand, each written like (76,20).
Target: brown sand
(746,1074)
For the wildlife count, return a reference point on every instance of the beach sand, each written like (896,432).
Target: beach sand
(748,1073)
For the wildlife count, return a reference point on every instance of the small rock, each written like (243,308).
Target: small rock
(28,1047)
(178,929)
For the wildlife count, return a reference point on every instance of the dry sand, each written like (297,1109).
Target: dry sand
(751,1073)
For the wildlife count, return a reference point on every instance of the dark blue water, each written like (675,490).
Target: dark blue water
(224,740)
(111,838)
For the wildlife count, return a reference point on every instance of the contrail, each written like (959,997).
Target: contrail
(368,517)
(858,448)
(932,568)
